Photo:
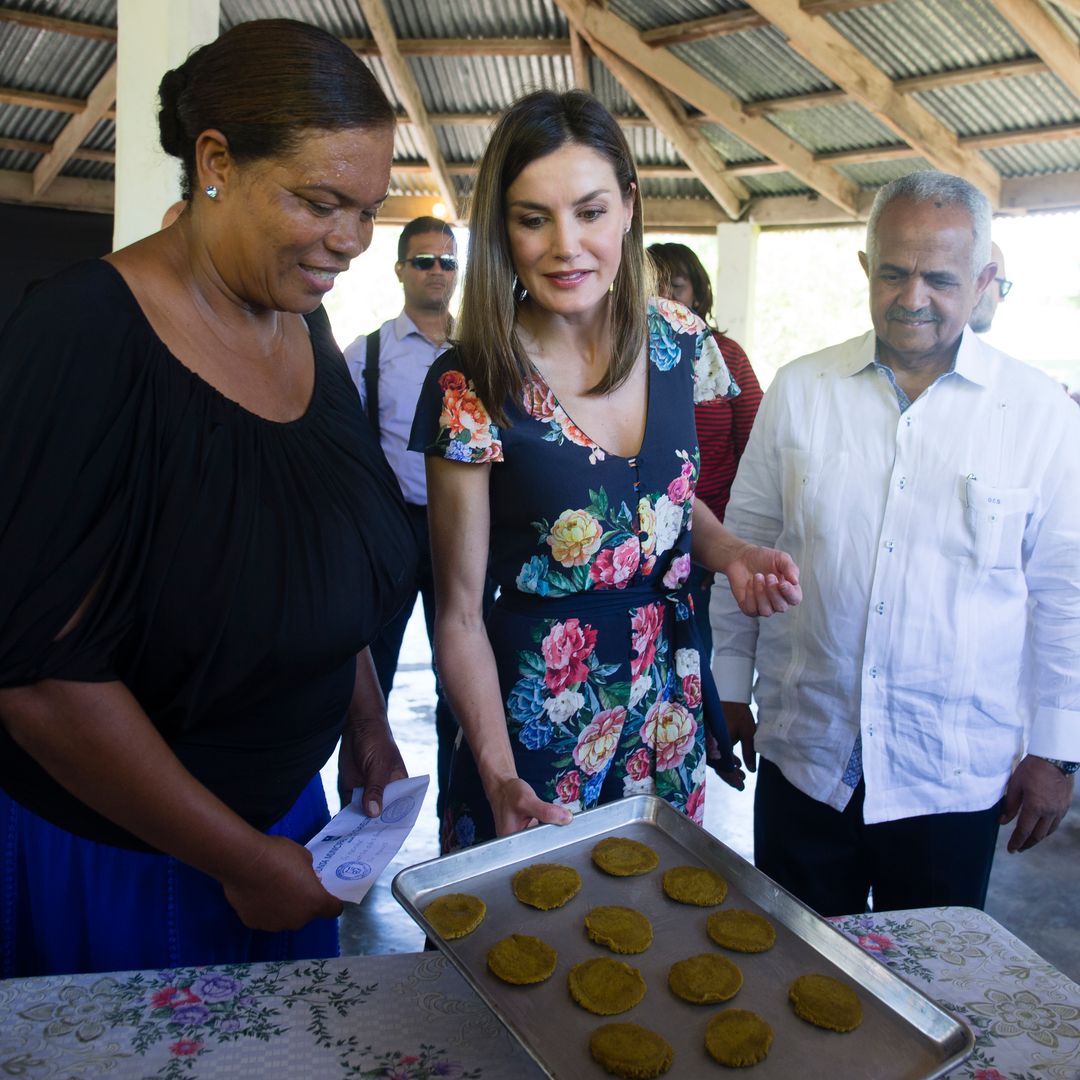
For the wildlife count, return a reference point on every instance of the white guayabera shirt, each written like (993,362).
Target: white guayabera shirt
(939,548)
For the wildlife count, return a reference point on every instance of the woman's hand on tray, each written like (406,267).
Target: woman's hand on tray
(515,806)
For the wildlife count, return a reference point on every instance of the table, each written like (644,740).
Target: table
(412,1016)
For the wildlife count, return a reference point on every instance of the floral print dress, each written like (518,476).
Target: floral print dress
(599,664)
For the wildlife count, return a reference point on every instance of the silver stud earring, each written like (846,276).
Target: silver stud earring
(211,192)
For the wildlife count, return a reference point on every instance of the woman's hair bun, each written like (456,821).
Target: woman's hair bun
(170,128)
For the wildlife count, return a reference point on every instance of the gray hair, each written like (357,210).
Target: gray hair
(943,189)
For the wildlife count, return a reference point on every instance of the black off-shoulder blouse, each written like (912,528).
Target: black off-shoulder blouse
(237,565)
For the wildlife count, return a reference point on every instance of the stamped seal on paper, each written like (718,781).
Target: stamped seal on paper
(398,810)
(353,871)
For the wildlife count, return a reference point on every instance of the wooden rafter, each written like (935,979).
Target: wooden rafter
(75,130)
(1005,69)
(670,119)
(1046,37)
(467,46)
(378,21)
(579,56)
(619,37)
(82,153)
(34,21)
(735,22)
(839,60)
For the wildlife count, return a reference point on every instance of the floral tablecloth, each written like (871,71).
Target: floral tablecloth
(412,1017)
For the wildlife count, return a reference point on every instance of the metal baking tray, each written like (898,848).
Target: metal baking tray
(904,1035)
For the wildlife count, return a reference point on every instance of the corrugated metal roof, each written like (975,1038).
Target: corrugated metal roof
(905,38)
(1004,104)
(753,66)
(51,63)
(341,17)
(691,188)
(486,83)
(95,12)
(833,127)
(775,184)
(38,125)
(875,173)
(1036,159)
(732,149)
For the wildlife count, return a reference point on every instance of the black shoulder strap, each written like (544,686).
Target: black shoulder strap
(371,378)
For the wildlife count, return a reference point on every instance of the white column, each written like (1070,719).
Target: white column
(153,37)
(733,281)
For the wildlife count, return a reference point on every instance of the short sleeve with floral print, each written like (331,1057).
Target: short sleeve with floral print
(598,658)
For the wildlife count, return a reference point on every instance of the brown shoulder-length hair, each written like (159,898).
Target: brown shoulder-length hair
(533,127)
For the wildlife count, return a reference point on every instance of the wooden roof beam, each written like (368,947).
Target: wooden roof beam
(1047,38)
(34,21)
(31,99)
(1006,69)
(579,55)
(75,130)
(378,21)
(735,22)
(841,62)
(619,37)
(457,47)
(82,153)
(703,159)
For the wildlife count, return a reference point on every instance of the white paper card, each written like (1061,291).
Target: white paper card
(352,850)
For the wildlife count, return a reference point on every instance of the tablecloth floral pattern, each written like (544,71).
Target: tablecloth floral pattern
(412,1017)
(1025,1013)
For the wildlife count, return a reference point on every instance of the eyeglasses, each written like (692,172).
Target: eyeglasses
(426,262)
(1004,285)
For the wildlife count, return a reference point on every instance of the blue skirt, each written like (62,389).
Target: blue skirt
(71,905)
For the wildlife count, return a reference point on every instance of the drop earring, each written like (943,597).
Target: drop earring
(211,191)
(518,290)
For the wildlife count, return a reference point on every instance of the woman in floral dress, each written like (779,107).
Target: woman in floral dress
(561,442)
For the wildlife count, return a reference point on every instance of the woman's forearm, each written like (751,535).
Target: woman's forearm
(95,741)
(713,544)
(470,679)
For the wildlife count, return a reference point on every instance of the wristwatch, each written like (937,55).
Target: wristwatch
(1067,767)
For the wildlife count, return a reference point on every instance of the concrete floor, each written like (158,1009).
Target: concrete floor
(1036,894)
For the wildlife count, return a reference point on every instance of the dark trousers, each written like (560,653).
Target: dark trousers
(387,646)
(831,860)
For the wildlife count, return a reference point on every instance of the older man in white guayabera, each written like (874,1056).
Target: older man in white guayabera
(926,484)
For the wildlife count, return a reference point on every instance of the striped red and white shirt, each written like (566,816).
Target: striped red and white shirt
(723,426)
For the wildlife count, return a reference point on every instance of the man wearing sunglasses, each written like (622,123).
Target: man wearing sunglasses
(993,294)
(388,367)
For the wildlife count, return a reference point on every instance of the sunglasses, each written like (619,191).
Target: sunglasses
(1004,285)
(426,262)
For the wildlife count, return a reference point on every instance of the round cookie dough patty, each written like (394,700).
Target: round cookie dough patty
(605,986)
(631,1050)
(741,931)
(546,885)
(694,885)
(521,959)
(621,929)
(454,915)
(622,857)
(705,979)
(738,1037)
(826,1002)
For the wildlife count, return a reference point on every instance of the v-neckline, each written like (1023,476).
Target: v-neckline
(629,458)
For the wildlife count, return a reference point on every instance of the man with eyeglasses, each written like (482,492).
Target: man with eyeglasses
(993,294)
(388,368)
(927,689)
